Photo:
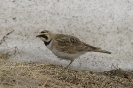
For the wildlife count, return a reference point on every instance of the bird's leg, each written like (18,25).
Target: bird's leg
(69,64)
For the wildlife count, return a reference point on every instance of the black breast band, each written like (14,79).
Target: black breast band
(47,43)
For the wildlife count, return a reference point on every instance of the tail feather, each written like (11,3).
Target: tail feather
(102,51)
(97,49)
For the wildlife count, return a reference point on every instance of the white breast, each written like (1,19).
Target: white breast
(65,55)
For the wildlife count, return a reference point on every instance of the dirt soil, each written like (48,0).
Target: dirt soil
(31,75)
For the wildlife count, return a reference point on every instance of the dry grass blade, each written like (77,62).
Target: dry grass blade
(5,36)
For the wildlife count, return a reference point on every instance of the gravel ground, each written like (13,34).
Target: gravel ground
(31,75)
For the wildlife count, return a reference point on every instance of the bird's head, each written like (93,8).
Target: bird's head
(45,35)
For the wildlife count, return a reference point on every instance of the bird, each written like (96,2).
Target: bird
(67,47)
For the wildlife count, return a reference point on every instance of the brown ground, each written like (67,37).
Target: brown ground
(31,75)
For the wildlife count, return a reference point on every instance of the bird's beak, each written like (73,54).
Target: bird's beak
(38,36)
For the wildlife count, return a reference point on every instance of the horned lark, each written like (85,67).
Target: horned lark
(66,46)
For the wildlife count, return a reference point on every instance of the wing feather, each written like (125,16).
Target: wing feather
(69,44)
